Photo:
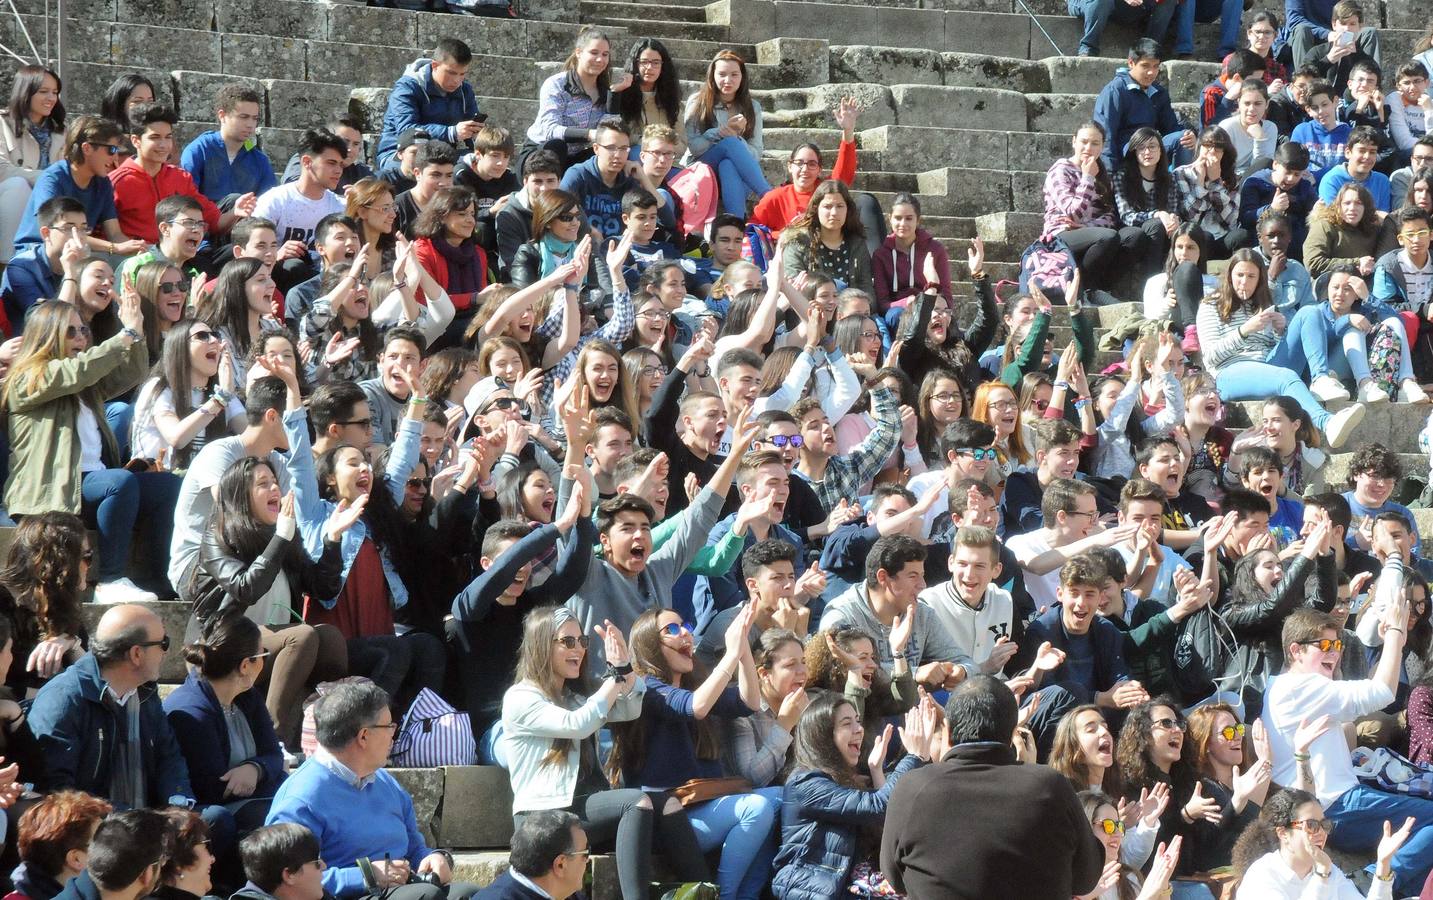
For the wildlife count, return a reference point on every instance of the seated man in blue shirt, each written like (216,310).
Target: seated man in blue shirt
(40,271)
(226,163)
(357,810)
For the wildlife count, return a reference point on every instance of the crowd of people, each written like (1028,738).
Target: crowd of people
(694,498)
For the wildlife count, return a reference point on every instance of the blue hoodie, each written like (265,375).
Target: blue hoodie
(417,101)
(1124,107)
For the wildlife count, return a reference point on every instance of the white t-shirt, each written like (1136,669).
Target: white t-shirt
(196,499)
(91,442)
(1293,697)
(1042,588)
(1270,878)
(146,442)
(295,215)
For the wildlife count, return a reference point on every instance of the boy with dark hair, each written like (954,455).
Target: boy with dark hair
(349,129)
(432,171)
(433,95)
(1219,99)
(1345,42)
(1282,188)
(146,178)
(1323,134)
(541,172)
(225,163)
(601,182)
(296,209)
(50,269)
(1134,99)
(1286,106)
(1403,278)
(1057,455)
(1360,156)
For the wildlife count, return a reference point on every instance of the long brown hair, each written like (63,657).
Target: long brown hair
(1226,301)
(534,666)
(708,97)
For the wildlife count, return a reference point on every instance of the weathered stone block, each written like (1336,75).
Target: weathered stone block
(175,616)
(477,807)
(425,786)
(372,25)
(264,56)
(193,14)
(356,65)
(498,37)
(152,47)
(304,104)
(959,107)
(890,65)
(836,23)
(299,19)
(196,92)
(1059,113)
(993,33)
(981,70)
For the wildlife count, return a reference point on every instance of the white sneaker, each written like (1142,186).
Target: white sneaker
(1327,388)
(1339,427)
(122,590)
(1410,392)
(1370,392)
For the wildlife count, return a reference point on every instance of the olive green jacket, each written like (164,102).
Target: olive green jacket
(42,417)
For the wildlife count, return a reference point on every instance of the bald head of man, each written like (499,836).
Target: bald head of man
(129,644)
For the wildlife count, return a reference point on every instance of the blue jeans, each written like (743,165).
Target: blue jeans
(744,826)
(1250,380)
(1313,346)
(1226,12)
(1358,815)
(1098,13)
(738,173)
(113,500)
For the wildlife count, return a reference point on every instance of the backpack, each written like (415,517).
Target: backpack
(1050,264)
(696,189)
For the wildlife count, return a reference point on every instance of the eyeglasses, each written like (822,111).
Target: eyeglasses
(654,370)
(675,629)
(420,484)
(74,331)
(1168,724)
(111,149)
(656,315)
(162,644)
(570,642)
(188,224)
(1110,826)
(203,337)
(1230,732)
(944,397)
(1314,826)
(567,218)
(361,423)
(977,453)
(1324,644)
(781,441)
(170,287)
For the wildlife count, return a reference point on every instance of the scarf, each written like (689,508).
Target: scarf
(464,278)
(554,253)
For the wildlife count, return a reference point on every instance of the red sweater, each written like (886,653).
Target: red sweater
(136,195)
(430,259)
(782,204)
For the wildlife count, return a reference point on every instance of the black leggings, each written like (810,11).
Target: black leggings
(614,819)
(1102,252)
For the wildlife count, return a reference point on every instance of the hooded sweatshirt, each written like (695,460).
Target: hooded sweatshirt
(898,273)
(417,102)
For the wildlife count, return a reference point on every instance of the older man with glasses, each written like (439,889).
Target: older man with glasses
(364,820)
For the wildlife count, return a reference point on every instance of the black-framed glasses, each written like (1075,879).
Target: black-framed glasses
(570,642)
(782,441)
(675,629)
(1230,732)
(977,453)
(74,331)
(361,423)
(1110,826)
(162,644)
(1324,644)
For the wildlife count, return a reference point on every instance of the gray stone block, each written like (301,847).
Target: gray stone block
(153,47)
(896,65)
(1059,113)
(197,91)
(356,65)
(992,33)
(192,14)
(498,37)
(372,25)
(959,107)
(304,104)
(477,807)
(426,787)
(295,19)
(981,70)
(264,56)
(175,616)
(967,191)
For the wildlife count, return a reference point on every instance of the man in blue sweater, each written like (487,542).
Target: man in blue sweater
(1133,100)
(363,819)
(433,95)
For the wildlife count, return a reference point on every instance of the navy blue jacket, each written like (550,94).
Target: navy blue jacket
(416,101)
(77,732)
(198,722)
(821,824)
(1082,677)
(1123,107)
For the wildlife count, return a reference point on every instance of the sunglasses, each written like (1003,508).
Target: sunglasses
(1230,732)
(1324,644)
(977,453)
(162,644)
(782,441)
(569,642)
(1110,826)
(74,331)
(675,629)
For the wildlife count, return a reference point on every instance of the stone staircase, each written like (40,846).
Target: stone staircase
(965,103)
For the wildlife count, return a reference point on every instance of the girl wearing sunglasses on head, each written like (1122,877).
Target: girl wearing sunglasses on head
(550,720)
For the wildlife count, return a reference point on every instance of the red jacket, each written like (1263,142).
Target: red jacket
(136,194)
(782,204)
(429,258)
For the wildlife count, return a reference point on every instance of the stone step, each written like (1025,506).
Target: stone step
(590,10)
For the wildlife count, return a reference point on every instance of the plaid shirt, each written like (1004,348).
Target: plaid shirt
(847,475)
